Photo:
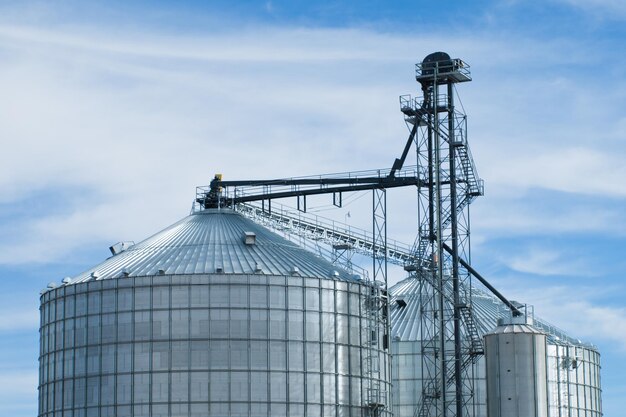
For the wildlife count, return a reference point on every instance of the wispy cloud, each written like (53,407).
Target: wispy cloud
(580,311)
(19,319)
(133,133)
(514,212)
(301,46)
(139,123)
(18,391)
(575,169)
(544,261)
(606,8)
(134,119)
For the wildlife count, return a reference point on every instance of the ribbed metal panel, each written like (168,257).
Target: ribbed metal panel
(213,320)
(487,310)
(213,241)
(573,367)
(517,382)
(210,346)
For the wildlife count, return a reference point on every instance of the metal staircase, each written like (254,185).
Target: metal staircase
(451,185)
(475,185)
(415,111)
(476,347)
(475,339)
(430,394)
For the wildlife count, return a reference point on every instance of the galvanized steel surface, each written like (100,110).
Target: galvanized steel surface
(487,311)
(192,345)
(213,316)
(517,383)
(573,366)
(213,242)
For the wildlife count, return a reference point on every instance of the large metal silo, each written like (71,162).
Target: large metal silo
(573,366)
(213,316)
(517,383)
(573,379)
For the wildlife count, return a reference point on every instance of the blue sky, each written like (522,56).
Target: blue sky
(111,113)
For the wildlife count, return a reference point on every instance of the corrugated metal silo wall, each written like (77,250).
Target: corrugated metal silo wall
(200,345)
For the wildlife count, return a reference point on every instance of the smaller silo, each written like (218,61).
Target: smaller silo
(515,356)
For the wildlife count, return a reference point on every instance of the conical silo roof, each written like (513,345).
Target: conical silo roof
(213,241)
(487,310)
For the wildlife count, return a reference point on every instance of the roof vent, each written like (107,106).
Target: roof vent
(95,275)
(66,280)
(249,238)
(125,272)
(401,302)
(257,268)
(334,273)
(120,247)
(161,272)
(219,269)
(52,285)
(295,270)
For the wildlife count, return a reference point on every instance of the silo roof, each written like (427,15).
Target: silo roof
(214,241)
(515,328)
(487,309)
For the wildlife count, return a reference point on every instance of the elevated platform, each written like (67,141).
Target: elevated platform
(450,70)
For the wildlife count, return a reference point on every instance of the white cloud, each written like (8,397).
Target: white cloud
(548,261)
(18,391)
(19,319)
(138,123)
(607,8)
(134,136)
(579,311)
(577,169)
(512,212)
(276,45)
(136,120)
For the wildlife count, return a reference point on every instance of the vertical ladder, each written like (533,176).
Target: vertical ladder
(376,307)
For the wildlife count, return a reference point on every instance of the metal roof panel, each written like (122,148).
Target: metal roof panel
(214,241)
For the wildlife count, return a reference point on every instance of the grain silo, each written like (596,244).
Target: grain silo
(515,356)
(572,367)
(217,316)
(213,316)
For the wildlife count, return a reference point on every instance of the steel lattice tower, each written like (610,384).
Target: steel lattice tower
(450,343)
(447,182)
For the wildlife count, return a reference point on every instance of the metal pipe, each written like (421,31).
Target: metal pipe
(514,310)
(438,251)
(458,381)
(211,201)
(398,163)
